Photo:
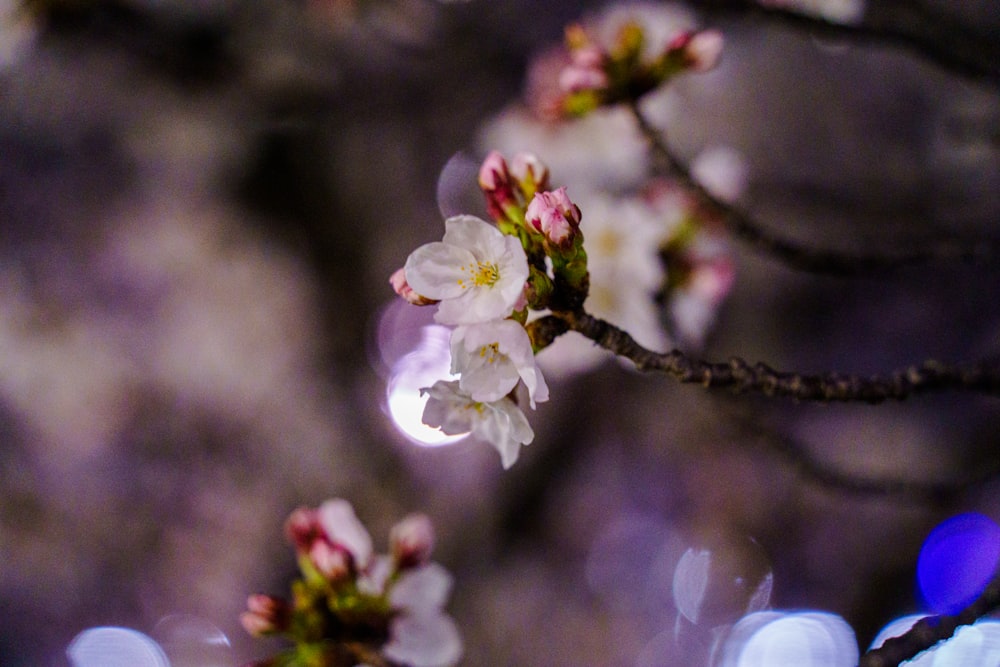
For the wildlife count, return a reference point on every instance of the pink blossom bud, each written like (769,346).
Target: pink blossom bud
(529,170)
(302,528)
(331,561)
(265,615)
(411,541)
(555,216)
(493,173)
(403,289)
(703,50)
(576,78)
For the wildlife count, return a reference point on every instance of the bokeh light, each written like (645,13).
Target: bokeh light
(115,647)
(192,641)
(957,561)
(430,362)
(790,639)
(718,583)
(977,644)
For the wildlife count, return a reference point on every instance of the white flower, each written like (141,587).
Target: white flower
(477,272)
(492,357)
(344,529)
(501,423)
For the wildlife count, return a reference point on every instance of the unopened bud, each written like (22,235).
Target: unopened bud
(332,562)
(265,615)
(555,216)
(411,541)
(403,289)
(493,173)
(302,527)
(530,172)
(703,50)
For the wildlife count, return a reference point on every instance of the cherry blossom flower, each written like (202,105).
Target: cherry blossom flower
(344,529)
(476,272)
(411,541)
(492,357)
(421,634)
(501,423)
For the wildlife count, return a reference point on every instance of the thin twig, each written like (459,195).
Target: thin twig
(929,631)
(745,228)
(934,36)
(742,377)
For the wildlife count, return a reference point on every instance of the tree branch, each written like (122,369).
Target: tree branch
(742,377)
(934,36)
(797,256)
(929,631)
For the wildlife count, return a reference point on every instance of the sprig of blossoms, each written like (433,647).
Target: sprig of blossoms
(484,278)
(601,73)
(352,606)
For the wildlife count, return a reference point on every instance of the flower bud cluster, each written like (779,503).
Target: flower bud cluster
(351,605)
(599,75)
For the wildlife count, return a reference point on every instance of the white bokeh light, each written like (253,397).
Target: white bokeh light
(803,639)
(425,365)
(115,647)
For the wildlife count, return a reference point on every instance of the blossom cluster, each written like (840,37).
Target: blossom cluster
(603,71)
(352,606)
(484,277)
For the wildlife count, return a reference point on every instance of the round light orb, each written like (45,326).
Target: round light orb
(957,561)
(115,647)
(793,639)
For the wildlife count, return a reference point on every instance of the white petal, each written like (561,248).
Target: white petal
(343,527)
(448,408)
(434,270)
(424,589)
(430,640)
(506,428)
(479,237)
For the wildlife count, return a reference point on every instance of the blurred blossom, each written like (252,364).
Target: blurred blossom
(602,150)
(957,561)
(719,582)
(115,647)
(837,11)
(803,639)
(976,644)
(623,236)
(722,171)
(660,22)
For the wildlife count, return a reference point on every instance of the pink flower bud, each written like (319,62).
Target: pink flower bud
(576,78)
(493,173)
(555,216)
(411,541)
(703,50)
(403,289)
(302,528)
(331,561)
(528,169)
(265,615)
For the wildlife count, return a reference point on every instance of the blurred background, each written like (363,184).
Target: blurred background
(200,206)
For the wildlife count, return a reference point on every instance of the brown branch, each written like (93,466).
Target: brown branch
(798,455)
(742,377)
(929,631)
(742,225)
(932,35)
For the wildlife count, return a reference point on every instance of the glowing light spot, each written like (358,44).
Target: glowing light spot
(721,582)
(806,639)
(428,363)
(191,641)
(115,647)
(957,561)
(977,644)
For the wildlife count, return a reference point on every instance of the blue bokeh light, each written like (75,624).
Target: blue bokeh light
(957,561)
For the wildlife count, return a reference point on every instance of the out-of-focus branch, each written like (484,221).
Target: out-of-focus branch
(797,256)
(929,631)
(797,454)
(743,377)
(933,35)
